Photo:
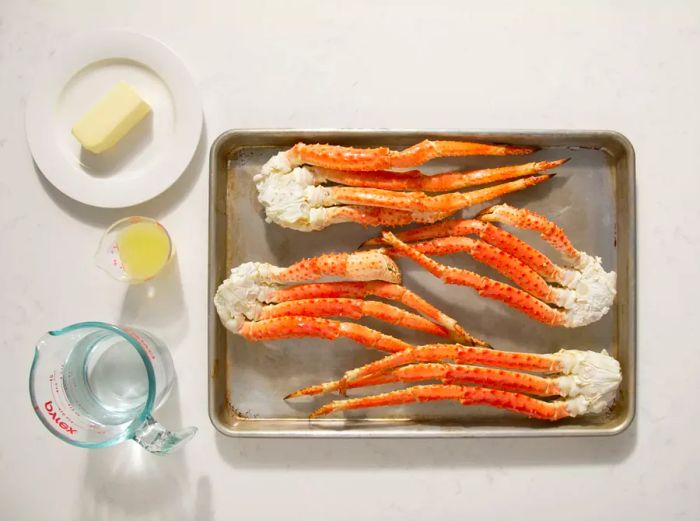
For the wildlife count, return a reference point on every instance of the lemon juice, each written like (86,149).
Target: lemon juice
(144,248)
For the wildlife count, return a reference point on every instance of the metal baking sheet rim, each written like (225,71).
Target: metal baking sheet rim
(334,428)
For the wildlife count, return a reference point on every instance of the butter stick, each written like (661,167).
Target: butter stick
(111,118)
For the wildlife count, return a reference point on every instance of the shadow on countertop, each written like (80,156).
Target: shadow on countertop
(125,482)
(159,306)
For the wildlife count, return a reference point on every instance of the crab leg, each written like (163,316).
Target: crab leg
(487,232)
(593,288)
(371,159)
(461,355)
(419,201)
(528,220)
(385,290)
(598,370)
(505,264)
(375,216)
(519,403)
(447,374)
(485,286)
(352,308)
(415,180)
(354,266)
(299,326)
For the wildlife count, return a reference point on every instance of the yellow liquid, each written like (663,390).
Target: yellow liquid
(144,248)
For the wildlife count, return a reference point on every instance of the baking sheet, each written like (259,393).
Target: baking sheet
(592,198)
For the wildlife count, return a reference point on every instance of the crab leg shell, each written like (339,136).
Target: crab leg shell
(375,216)
(426,150)
(370,159)
(484,376)
(400,374)
(328,290)
(454,228)
(529,220)
(515,402)
(299,326)
(356,266)
(461,355)
(487,232)
(419,201)
(593,288)
(352,308)
(485,286)
(507,265)
(340,157)
(413,301)
(415,180)
(448,374)
(385,290)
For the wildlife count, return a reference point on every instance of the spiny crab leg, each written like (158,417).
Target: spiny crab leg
(251,302)
(593,288)
(510,266)
(380,289)
(491,234)
(485,286)
(300,326)
(556,363)
(594,376)
(529,220)
(450,374)
(376,216)
(587,295)
(588,290)
(591,380)
(249,286)
(290,184)
(515,402)
(415,180)
(419,201)
(370,159)
(347,265)
(352,308)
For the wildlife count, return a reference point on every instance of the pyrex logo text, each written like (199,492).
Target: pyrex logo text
(57,419)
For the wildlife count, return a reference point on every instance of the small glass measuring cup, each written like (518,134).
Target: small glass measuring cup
(134,249)
(94,385)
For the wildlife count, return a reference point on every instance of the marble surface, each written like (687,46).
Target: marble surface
(628,66)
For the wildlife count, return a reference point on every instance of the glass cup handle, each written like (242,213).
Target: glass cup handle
(156,439)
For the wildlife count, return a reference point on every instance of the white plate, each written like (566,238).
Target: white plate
(147,160)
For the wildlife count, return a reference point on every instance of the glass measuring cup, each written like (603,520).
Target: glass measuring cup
(134,249)
(94,385)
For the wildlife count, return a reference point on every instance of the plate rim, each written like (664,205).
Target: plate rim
(171,70)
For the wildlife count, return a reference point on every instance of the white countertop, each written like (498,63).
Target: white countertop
(627,66)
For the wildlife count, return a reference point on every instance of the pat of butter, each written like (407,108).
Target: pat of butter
(111,118)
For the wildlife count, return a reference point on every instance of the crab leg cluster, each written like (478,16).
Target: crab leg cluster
(290,185)
(260,301)
(571,296)
(587,380)
(255,303)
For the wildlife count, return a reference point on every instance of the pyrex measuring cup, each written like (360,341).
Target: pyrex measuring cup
(94,385)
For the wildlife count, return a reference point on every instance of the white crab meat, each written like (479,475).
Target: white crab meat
(290,195)
(253,284)
(592,291)
(241,296)
(591,380)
